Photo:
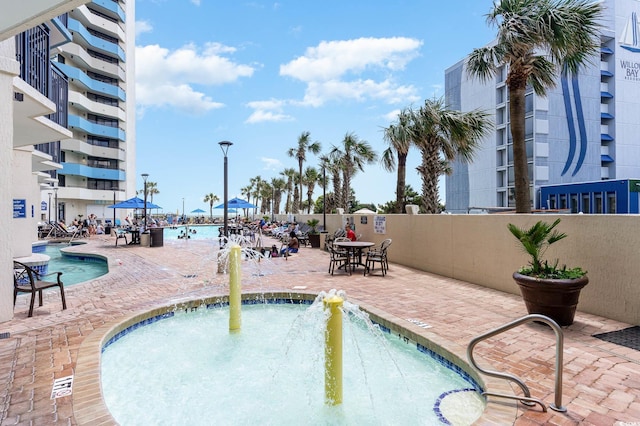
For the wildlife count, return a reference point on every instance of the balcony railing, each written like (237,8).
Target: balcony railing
(32,52)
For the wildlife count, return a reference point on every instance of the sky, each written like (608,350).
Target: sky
(260,73)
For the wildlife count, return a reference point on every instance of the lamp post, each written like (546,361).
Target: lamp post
(114,210)
(182,210)
(55,190)
(224,145)
(273,204)
(324,198)
(144,178)
(49,207)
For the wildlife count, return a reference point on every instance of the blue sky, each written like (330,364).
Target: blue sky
(260,73)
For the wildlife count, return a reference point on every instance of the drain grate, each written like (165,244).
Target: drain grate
(627,337)
(4,335)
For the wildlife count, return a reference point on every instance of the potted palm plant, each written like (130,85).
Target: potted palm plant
(547,288)
(314,235)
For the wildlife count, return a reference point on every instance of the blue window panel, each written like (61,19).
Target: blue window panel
(604,49)
(605,115)
(606,95)
(111,6)
(606,73)
(89,83)
(91,172)
(96,42)
(86,126)
(606,137)
(606,158)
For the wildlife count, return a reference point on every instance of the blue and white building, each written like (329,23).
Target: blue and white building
(587,129)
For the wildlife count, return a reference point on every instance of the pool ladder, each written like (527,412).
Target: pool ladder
(526,399)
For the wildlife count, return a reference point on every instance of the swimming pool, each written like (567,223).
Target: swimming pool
(75,267)
(196,232)
(197,376)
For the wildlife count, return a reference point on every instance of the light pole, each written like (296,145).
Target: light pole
(273,204)
(49,206)
(224,145)
(324,198)
(182,211)
(114,209)
(55,190)
(144,178)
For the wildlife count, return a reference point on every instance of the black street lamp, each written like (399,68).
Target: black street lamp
(49,207)
(324,198)
(224,145)
(114,209)
(55,190)
(144,178)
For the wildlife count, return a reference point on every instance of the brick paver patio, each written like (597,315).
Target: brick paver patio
(601,379)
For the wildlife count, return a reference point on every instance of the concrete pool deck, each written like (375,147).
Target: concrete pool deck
(601,379)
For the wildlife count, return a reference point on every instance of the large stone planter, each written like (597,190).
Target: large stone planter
(314,240)
(554,298)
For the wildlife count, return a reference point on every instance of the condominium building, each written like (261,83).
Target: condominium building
(585,130)
(100,155)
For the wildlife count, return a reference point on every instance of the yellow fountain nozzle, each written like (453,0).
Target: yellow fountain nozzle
(235,290)
(333,351)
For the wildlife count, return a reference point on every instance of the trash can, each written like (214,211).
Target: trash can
(107,230)
(144,239)
(157,237)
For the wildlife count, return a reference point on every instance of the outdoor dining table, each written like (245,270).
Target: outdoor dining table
(355,247)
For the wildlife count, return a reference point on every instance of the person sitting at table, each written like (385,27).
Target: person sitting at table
(292,246)
(350,234)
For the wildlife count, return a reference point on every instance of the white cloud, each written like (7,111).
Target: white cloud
(271,110)
(196,2)
(355,69)
(165,78)
(143,27)
(272,164)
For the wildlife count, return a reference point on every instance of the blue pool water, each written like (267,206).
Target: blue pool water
(75,268)
(202,232)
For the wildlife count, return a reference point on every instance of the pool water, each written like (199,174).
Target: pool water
(75,269)
(188,369)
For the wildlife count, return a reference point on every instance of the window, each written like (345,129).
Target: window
(586,203)
(574,203)
(552,202)
(598,208)
(611,202)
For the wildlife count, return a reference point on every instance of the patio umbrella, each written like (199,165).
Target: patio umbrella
(237,203)
(364,211)
(198,211)
(134,203)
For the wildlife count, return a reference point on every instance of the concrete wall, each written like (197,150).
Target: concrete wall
(481,250)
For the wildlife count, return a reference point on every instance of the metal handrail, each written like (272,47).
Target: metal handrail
(526,399)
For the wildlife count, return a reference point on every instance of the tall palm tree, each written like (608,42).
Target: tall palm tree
(300,152)
(537,39)
(398,136)
(442,135)
(309,179)
(352,156)
(332,166)
(211,198)
(278,185)
(289,174)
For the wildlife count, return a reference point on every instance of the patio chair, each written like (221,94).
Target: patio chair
(378,255)
(28,280)
(338,257)
(120,233)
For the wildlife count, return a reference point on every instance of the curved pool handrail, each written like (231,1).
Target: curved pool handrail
(526,399)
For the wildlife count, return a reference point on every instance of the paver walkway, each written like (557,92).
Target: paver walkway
(601,379)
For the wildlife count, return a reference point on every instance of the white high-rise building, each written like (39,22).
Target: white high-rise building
(587,129)
(99,65)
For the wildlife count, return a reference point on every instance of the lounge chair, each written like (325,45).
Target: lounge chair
(28,280)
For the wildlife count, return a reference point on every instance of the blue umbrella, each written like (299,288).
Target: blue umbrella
(134,203)
(197,211)
(237,203)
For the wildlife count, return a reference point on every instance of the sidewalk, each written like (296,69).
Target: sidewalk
(601,379)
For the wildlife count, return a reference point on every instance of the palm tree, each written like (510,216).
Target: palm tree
(211,198)
(351,157)
(278,185)
(443,135)
(289,174)
(399,138)
(537,39)
(300,152)
(331,164)
(309,179)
